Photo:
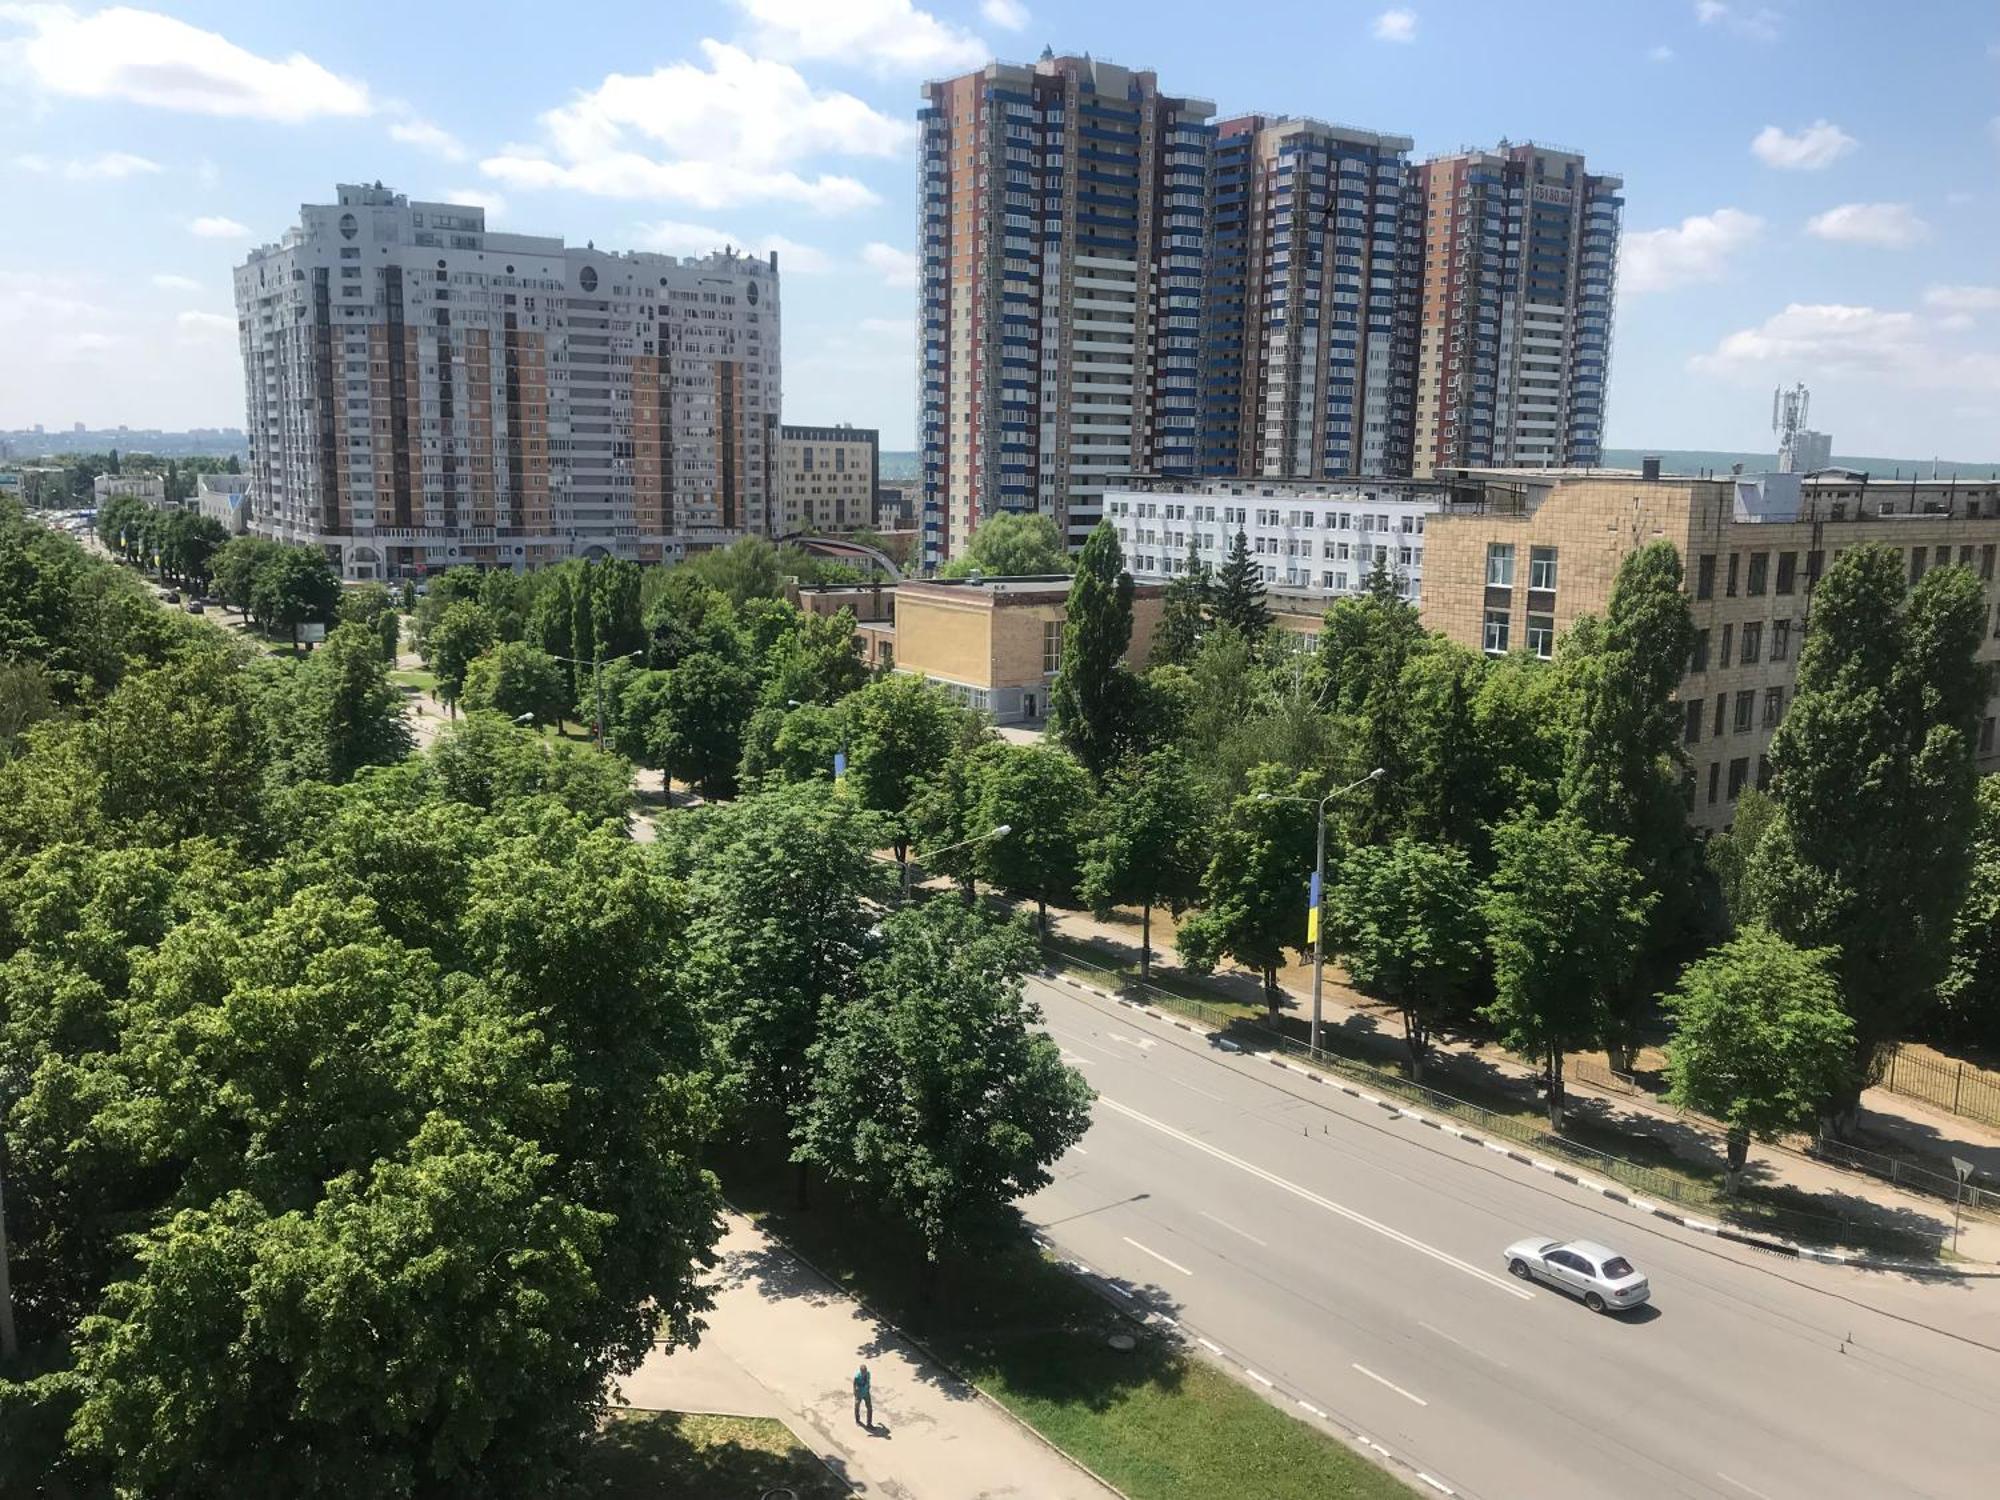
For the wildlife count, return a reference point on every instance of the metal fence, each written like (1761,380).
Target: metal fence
(1979,1193)
(1950,1085)
(1650,1182)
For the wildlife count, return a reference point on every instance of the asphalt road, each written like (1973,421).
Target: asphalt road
(1354,1258)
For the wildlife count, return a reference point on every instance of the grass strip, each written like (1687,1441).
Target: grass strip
(652,1455)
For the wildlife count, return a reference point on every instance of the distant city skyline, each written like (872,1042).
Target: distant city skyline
(1810,196)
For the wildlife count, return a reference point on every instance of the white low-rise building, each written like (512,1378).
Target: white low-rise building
(149,488)
(226,498)
(1315,539)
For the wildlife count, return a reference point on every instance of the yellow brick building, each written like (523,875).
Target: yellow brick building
(1518,555)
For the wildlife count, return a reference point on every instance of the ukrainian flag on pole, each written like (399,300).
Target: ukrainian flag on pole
(1312,910)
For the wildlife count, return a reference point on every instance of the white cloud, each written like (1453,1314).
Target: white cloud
(106,166)
(1963,299)
(1818,146)
(1835,340)
(676,238)
(206,324)
(143,57)
(215,227)
(419,132)
(1759,25)
(896,267)
(51,304)
(729,133)
(889,328)
(1008,15)
(1699,249)
(1887,226)
(170,283)
(887,35)
(1660,54)
(1396,25)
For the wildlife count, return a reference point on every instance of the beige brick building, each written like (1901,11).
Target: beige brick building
(996,643)
(1520,554)
(827,478)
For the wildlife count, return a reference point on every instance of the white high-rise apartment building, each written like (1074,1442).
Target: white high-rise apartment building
(1315,539)
(423,392)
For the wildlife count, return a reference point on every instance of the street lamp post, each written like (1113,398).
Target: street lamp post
(597,664)
(1319,884)
(999,832)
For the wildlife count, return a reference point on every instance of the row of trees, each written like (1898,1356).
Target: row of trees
(358,1107)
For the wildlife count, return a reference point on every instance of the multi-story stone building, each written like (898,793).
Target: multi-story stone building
(150,489)
(827,478)
(1518,555)
(1520,254)
(423,391)
(1309,304)
(1313,541)
(1060,219)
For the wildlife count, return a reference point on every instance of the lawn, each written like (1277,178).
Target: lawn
(1154,1421)
(641,1455)
(415,677)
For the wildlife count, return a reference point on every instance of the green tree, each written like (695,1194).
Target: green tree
(515,678)
(1011,544)
(1969,994)
(372,605)
(179,751)
(1239,593)
(614,608)
(1042,796)
(486,762)
(902,730)
(816,661)
(1760,1039)
(1565,918)
(782,745)
(697,735)
(1184,612)
(236,565)
(936,1093)
(337,711)
(1093,698)
(583,633)
(1626,765)
(1254,891)
(1405,920)
(744,570)
(688,618)
(549,617)
(1149,848)
(292,587)
(1367,646)
(1732,853)
(1874,780)
(462,634)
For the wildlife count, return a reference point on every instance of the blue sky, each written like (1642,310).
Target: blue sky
(1813,186)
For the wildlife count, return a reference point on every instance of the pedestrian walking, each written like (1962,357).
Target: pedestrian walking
(864,1397)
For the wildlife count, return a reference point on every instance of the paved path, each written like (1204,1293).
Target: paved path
(1352,1259)
(782,1342)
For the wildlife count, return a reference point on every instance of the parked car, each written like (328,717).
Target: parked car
(1603,1278)
(196,607)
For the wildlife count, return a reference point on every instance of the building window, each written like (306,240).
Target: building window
(1691,730)
(1788,568)
(1753,642)
(1542,635)
(1986,737)
(1763,773)
(1729,588)
(1739,773)
(1496,632)
(1714,781)
(1728,644)
(1542,568)
(1721,712)
(1704,582)
(1746,710)
(1919,559)
(1698,658)
(1986,563)
(1774,706)
(1052,634)
(1781,639)
(1499,567)
(1760,566)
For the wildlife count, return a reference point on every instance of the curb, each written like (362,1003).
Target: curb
(929,1353)
(1769,1243)
(1179,1334)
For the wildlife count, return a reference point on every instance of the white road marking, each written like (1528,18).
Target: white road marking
(1434,1484)
(1212,1348)
(1351,1215)
(1392,1385)
(1079,1150)
(1742,1486)
(1231,1227)
(1263,1380)
(1142,1043)
(1156,1255)
(1313,1409)
(1078,1060)
(1461,1343)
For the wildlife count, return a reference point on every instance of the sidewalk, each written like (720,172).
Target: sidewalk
(783,1343)
(1843,1193)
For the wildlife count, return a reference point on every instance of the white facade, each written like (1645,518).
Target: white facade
(225,498)
(150,488)
(1319,540)
(422,392)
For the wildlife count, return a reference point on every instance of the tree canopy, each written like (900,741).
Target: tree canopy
(1011,544)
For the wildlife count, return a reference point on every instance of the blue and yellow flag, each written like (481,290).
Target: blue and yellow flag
(839,764)
(1312,910)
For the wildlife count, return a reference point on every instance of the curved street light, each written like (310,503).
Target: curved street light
(999,832)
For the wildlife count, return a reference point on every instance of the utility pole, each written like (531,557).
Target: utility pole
(1319,884)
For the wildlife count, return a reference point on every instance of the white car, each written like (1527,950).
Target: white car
(1602,1277)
